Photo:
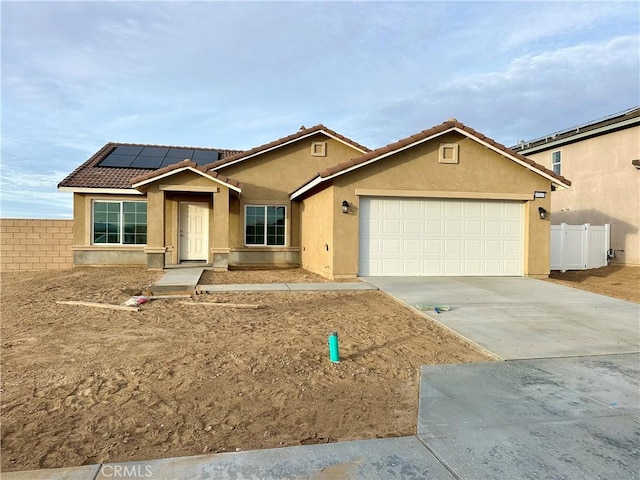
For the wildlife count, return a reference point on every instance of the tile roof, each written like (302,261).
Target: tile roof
(438,129)
(283,141)
(91,175)
(184,164)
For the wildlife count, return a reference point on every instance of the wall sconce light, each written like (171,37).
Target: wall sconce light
(542,212)
(345,206)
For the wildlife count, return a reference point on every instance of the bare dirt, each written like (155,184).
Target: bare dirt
(614,281)
(82,385)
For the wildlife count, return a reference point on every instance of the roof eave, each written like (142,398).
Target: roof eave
(98,190)
(596,132)
(176,171)
(248,156)
(320,179)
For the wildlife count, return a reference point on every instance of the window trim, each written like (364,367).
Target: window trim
(265,245)
(92,241)
(558,163)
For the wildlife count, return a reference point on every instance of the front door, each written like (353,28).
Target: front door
(194,231)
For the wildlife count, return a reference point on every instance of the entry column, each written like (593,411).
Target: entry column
(155,248)
(220,230)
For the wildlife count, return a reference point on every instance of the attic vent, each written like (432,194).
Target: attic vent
(319,149)
(448,153)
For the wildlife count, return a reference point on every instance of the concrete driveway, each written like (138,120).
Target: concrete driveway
(524,318)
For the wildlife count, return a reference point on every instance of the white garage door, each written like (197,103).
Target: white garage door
(415,236)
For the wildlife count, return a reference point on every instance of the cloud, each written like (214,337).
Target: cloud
(532,95)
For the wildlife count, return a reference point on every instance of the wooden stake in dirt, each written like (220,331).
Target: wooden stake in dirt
(98,305)
(218,304)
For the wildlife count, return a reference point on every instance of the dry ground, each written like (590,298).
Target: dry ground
(614,281)
(82,385)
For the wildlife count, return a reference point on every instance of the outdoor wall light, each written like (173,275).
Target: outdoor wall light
(542,212)
(345,206)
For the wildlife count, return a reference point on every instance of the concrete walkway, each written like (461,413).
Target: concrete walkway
(178,280)
(518,318)
(564,418)
(287,287)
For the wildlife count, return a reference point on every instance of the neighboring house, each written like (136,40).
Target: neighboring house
(446,201)
(602,159)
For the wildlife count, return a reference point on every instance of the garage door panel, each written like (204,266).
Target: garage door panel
(511,247)
(440,237)
(453,247)
(412,227)
(453,227)
(511,228)
(473,227)
(473,247)
(433,247)
(473,266)
(412,247)
(391,246)
(492,247)
(492,228)
(391,226)
(433,227)
(412,266)
(452,266)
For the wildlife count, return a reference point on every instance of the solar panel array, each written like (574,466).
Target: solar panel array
(128,156)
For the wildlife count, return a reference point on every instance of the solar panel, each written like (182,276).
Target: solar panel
(128,156)
(180,153)
(170,161)
(117,160)
(142,161)
(202,157)
(127,150)
(154,152)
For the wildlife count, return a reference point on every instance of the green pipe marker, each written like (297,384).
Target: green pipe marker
(334,354)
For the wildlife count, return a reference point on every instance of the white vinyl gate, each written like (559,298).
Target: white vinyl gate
(579,247)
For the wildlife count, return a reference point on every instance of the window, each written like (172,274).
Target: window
(119,223)
(264,225)
(556,161)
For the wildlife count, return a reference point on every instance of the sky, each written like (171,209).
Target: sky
(235,75)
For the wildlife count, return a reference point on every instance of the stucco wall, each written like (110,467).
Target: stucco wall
(605,188)
(270,178)
(479,171)
(27,244)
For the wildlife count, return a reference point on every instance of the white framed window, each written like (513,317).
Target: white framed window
(119,222)
(556,162)
(265,225)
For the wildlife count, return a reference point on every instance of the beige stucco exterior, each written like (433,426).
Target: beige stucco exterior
(605,186)
(267,179)
(481,174)
(318,235)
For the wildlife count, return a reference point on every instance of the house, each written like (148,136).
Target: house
(445,201)
(602,158)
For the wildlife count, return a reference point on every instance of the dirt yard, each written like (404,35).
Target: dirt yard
(614,281)
(82,385)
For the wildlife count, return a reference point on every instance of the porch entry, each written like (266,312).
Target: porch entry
(194,231)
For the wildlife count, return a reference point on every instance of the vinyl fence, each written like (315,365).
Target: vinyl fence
(579,247)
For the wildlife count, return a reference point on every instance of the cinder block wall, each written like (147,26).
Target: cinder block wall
(27,244)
